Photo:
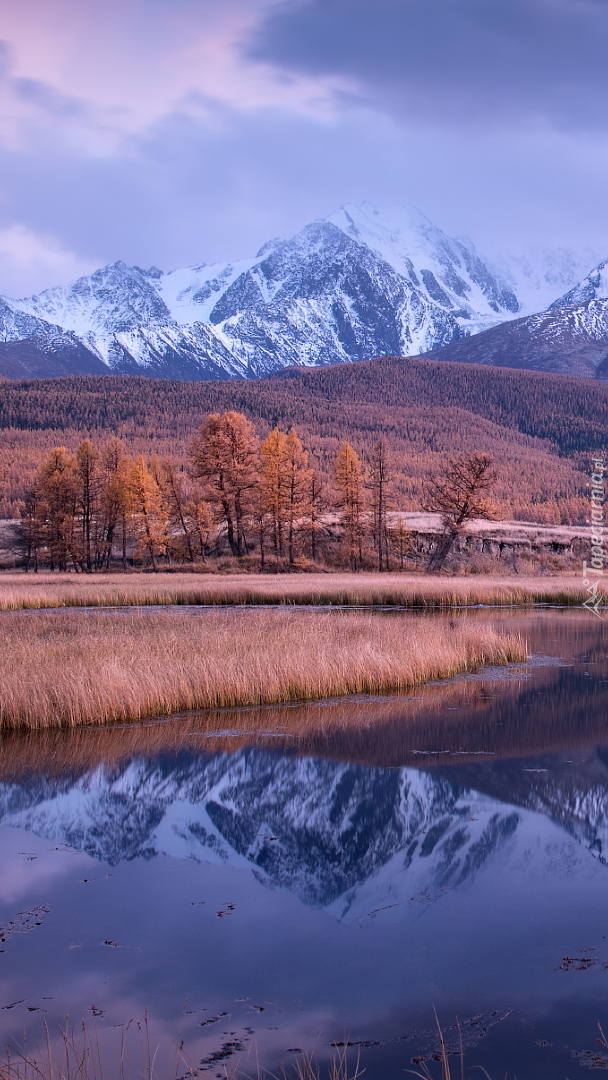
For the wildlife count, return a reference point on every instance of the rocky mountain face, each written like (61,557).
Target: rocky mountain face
(593,287)
(359,284)
(569,339)
(348,838)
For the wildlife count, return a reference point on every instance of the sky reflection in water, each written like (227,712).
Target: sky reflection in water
(335,884)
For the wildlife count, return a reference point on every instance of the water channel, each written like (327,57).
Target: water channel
(272,881)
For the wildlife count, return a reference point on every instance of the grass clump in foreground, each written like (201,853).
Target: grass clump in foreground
(29,591)
(69,668)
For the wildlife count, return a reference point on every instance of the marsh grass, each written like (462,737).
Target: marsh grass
(20,591)
(71,668)
(79,1053)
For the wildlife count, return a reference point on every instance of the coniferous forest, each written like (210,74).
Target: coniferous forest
(108,447)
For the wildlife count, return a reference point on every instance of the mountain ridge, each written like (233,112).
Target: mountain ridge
(357,284)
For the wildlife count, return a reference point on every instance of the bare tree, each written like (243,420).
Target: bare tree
(379,483)
(459,496)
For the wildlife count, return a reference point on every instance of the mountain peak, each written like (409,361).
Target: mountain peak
(592,287)
(365,281)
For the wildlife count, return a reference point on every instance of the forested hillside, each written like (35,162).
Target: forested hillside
(540,428)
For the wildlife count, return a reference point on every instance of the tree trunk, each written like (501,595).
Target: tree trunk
(439,555)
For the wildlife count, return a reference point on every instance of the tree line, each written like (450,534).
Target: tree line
(541,427)
(235,494)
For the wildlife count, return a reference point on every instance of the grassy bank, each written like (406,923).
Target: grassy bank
(88,667)
(21,591)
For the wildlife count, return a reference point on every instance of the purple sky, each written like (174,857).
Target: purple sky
(181,131)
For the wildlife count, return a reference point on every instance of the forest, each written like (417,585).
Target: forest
(539,428)
(233,495)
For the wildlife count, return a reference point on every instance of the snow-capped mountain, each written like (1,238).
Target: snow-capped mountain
(348,838)
(448,271)
(538,275)
(16,324)
(363,282)
(568,340)
(358,284)
(593,287)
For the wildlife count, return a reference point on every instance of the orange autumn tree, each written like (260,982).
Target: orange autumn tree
(57,510)
(274,493)
(286,485)
(171,480)
(380,487)
(115,501)
(224,455)
(148,511)
(88,490)
(348,477)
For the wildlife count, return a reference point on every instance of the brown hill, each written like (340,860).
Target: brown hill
(540,428)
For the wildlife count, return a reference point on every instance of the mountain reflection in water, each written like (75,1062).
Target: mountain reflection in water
(339,868)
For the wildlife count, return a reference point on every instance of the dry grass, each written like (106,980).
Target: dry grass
(82,1053)
(21,591)
(68,668)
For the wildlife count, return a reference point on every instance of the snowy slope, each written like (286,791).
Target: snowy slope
(441,269)
(359,284)
(16,325)
(190,294)
(593,287)
(166,352)
(538,276)
(113,299)
(364,282)
(570,340)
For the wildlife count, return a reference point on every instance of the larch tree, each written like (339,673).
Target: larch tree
(285,479)
(32,527)
(460,496)
(379,484)
(88,483)
(171,481)
(57,485)
(298,488)
(115,501)
(275,488)
(313,508)
(224,455)
(348,477)
(148,512)
(199,521)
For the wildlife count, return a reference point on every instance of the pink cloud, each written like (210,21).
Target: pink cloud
(99,73)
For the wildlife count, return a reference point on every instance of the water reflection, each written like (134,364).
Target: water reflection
(330,872)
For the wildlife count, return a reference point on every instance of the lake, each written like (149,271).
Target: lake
(269,882)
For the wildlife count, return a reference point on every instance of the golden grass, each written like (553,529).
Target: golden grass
(21,591)
(69,668)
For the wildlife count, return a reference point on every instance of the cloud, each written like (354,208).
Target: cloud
(30,261)
(491,62)
(104,72)
(179,131)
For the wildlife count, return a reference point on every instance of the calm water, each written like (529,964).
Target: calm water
(274,880)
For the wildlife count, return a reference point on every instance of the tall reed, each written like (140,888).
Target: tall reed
(69,668)
(20,591)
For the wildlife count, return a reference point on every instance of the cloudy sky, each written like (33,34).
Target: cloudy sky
(170,132)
